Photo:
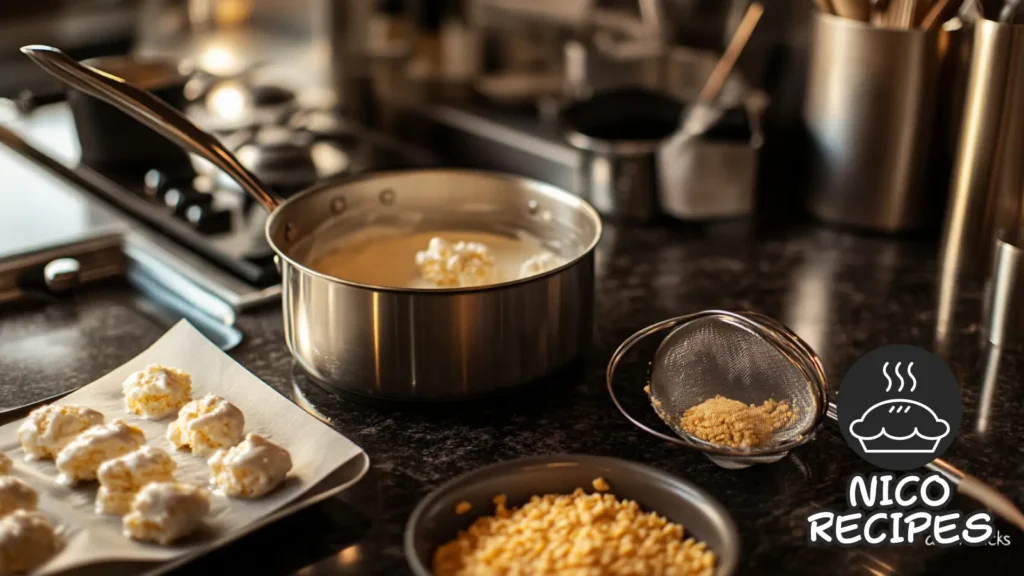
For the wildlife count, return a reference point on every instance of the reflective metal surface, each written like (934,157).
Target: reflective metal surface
(987,192)
(871,113)
(1004,315)
(619,177)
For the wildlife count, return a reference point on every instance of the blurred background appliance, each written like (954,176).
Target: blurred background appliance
(86,28)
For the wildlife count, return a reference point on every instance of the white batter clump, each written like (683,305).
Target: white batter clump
(538,264)
(48,429)
(250,469)
(122,478)
(16,495)
(207,425)
(461,264)
(27,541)
(81,458)
(163,512)
(157,392)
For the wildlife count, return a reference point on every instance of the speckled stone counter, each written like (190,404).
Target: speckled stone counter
(844,294)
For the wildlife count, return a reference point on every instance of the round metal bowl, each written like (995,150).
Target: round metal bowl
(435,522)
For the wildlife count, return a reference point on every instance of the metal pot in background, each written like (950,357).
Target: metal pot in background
(620,134)
(677,71)
(112,140)
(403,343)
(717,177)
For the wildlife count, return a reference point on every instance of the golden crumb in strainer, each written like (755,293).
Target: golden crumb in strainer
(729,422)
(576,533)
(463,507)
(655,401)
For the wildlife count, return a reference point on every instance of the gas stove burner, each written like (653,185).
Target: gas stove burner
(280,158)
(324,124)
(234,105)
(264,95)
(289,161)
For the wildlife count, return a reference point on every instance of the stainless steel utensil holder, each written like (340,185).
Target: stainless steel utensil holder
(872,111)
(987,191)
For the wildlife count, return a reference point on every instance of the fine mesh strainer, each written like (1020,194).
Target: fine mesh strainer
(739,355)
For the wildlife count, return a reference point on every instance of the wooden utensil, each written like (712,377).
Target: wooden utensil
(933,18)
(878,12)
(703,114)
(825,6)
(890,16)
(858,10)
(1009,12)
(716,80)
(908,8)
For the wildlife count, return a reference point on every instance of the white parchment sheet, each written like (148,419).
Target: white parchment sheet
(316,450)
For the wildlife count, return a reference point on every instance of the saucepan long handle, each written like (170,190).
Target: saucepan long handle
(151,111)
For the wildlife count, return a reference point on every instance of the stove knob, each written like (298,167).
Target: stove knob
(62,274)
(179,198)
(154,184)
(271,95)
(206,220)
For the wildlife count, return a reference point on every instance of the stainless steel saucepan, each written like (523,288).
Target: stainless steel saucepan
(402,343)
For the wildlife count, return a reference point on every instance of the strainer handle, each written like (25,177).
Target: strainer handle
(624,349)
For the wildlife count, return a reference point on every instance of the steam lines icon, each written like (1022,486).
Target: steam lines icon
(913,380)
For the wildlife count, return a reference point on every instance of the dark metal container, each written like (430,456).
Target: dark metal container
(111,139)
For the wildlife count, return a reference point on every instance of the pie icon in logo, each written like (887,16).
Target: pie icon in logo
(892,419)
(899,429)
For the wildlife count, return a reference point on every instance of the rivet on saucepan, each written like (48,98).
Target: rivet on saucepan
(533,206)
(387,197)
(289,232)
(338,205)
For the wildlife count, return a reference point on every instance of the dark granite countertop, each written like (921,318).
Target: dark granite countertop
(844,294)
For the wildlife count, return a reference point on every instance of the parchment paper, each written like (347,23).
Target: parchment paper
(316,450)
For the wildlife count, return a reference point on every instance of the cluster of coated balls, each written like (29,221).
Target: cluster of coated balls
(136,481)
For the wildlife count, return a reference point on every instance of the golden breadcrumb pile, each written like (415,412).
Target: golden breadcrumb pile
(577,534)
(728,422)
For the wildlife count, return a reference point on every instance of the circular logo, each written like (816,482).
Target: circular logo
(899,407)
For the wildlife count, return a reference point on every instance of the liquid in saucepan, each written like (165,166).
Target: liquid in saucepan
(438,259)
